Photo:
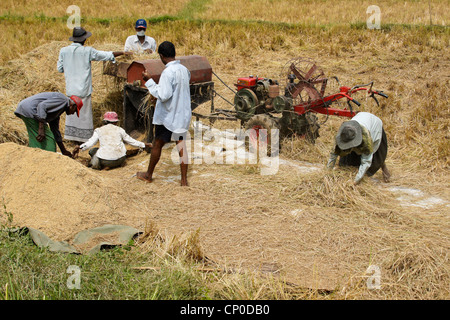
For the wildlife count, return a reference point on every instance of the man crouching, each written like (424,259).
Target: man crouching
(112,151)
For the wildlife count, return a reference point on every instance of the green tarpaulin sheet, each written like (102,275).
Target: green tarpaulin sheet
(93,240)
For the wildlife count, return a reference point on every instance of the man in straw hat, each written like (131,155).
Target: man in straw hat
(112,151)
(75,62)
(362,142)
(46,108)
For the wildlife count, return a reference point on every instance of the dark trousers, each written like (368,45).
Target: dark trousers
(98,163)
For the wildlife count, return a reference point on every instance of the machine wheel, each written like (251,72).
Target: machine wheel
(245,103)
(263,134)
(312,131)
(303,125)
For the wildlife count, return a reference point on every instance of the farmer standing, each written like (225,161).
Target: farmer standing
(140,42)
(361,142)
(46,108)
(75,62)
(172,114)
(112,151)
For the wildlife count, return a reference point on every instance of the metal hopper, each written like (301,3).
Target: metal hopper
(137,113)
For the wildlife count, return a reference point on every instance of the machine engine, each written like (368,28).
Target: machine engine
(258,95)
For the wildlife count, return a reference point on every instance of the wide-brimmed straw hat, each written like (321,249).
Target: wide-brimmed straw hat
(349,135)
(79,34)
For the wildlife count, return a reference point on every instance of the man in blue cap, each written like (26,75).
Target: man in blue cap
(139,42)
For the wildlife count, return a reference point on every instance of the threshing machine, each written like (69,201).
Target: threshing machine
(259,103)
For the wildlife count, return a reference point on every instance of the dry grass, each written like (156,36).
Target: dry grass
(254,223)
(228,283)
(99,9)
(286,11)
(186,246)
(313,229)
(332,12)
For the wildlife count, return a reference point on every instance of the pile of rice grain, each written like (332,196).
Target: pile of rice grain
(53,193)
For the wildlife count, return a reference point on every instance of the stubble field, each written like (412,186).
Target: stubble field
(307,227)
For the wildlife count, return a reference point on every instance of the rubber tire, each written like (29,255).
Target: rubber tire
(263,121)
(312,132)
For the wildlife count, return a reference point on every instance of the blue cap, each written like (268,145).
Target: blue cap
(141,23)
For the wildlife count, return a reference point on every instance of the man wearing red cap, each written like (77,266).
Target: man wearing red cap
(46,108)
(75,62)
(112,151)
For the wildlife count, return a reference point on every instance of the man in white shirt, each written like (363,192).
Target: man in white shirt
(173,113)
(112,151)
(361,142)
(75,62)
(139,42)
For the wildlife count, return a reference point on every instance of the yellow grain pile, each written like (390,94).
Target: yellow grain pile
(53,193)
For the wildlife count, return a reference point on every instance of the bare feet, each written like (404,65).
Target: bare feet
(144,176)
(184,183)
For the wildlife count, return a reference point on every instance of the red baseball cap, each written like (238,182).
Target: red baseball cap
(78,102)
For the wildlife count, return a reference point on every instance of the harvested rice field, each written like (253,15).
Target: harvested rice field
(306,226)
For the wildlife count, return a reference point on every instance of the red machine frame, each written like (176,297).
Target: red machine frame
(320,105)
